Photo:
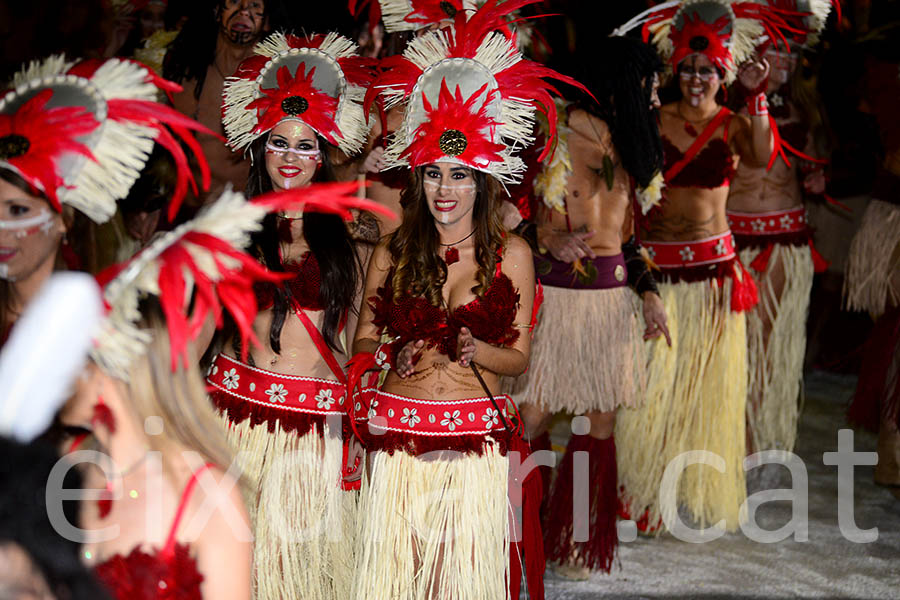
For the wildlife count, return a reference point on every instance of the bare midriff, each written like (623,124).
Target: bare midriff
(689,214)
(437,378)
(755,189)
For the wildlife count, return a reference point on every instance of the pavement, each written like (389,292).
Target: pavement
(828,565)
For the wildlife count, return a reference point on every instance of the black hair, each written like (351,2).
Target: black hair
(329,241)
(25,522)
(622,82)
(194,49)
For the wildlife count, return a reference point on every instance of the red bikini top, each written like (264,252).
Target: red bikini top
(304,285)
(489,317)
(712,167)
(170,573)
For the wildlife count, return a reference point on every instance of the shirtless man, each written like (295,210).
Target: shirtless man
(587,356)
(768,219)
(697,392)
(237,26)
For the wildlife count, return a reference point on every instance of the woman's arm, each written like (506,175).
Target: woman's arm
(364,254)
(518,265)
(753,138)
(367,335)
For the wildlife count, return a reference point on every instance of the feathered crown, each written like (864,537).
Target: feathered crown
(410,15)
(204,256)
(319,80)
(80,133)
(808,17)
(725,31)
(470,96)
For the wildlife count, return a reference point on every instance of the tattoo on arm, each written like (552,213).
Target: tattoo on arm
(365,228)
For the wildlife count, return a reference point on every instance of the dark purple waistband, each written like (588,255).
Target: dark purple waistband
(600,273)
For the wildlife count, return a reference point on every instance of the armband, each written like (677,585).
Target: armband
(640,278)
(385,356)
(757,105)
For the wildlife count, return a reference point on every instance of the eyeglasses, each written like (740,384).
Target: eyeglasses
(703,73)
(304,154)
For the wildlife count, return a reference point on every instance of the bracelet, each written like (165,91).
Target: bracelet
(757,105)
(384,356)
(640,279)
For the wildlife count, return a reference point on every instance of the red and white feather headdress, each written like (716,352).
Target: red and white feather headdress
(808,17)
(470,96)
(410,15)
(319,80)
(199,268)
(725,31)
(81,132)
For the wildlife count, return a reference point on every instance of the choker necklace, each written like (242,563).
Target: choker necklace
(451,254)
(689,125)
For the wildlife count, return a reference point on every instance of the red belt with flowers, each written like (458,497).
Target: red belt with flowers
(764,230)
(696,253)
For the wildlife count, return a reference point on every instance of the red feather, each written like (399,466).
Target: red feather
(52,134)
(453,112)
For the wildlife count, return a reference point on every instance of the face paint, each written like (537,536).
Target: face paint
(450,192)
(292,155)
(304,154)
(25,227)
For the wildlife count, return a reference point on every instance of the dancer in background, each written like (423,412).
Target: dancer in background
(74,137)
(587,355)
(769,222)
(284,404)
(697,389)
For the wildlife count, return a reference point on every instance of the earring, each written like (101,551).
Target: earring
(103,416)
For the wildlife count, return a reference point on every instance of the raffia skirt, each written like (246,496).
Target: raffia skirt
(287,436)
(587,354)
(696,400)
(434,515)
(776,364)
(872,279)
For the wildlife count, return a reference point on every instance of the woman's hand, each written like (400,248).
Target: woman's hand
(753,74)
(655,318)
(465,347)
(568,247)
(374,161)
(814,182)
(355,453)
(406,358)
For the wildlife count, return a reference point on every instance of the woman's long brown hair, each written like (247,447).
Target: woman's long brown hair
(419,268)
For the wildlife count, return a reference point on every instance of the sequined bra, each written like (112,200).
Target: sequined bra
(304,285)
(490,317)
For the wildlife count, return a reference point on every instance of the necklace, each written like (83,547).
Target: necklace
(689,125)
(451,254)
(104,503)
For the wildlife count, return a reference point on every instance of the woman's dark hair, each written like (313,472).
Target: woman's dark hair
(194,50)
(622,83)
(329,241)
(414,247)
(25,521)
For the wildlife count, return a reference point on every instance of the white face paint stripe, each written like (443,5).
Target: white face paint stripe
(41,219)
(4,271)
(463,187)
(307,154)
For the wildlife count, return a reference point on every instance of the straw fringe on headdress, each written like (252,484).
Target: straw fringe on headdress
(412,15)
(81,132)
(319,80)
(470,96)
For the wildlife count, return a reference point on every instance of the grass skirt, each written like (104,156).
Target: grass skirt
(303,521)
(696,400)
(434,525)
(776,363)
(872,280)
(587,353)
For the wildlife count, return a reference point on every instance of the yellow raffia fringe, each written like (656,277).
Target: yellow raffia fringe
(433,528)
(873,268)
(303,522)
(696,399)
(776,364)
(587,353)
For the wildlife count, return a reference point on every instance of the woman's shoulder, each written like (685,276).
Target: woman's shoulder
(516,254)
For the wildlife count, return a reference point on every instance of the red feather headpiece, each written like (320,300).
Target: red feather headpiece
(486,92)
(200,268)
(319,80)
(80,133)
